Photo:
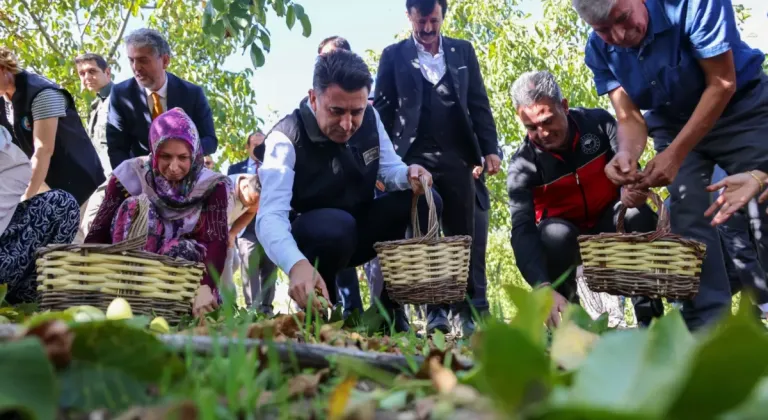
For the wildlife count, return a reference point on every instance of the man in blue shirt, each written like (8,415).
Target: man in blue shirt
(706,98)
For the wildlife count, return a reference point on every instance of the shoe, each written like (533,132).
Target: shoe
(467,325)
(437,319)
(400,321)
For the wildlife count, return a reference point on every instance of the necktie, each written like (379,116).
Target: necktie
(157,107)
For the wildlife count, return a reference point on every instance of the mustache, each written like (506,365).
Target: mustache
(425,34)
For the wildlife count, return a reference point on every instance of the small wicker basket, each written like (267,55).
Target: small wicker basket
(90,274)
(425,269)
(653,264)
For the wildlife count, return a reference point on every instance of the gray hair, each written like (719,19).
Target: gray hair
(146,37)
(593,11)
(534,86)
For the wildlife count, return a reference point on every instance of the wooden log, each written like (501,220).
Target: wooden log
(306,355)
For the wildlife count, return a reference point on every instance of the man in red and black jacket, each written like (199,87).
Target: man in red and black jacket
(558,189)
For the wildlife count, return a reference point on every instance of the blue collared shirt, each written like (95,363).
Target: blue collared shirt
(663,73)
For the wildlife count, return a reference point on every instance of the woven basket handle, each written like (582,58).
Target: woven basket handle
(662,226)
(433,229)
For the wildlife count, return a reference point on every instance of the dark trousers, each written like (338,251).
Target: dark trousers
(348,285)
(743,262)
(737,143)
(452,178)
(561,250)
(335,239)
(478,282)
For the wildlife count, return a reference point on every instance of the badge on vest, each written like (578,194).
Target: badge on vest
(25,123)
(370,155)
(590,144)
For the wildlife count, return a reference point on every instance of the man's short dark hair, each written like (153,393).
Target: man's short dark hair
(100,61)
(425,7)
(337,41)
(343,68)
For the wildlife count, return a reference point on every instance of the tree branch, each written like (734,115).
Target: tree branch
(77,22)
(119,36)
(40,26)
(88,22)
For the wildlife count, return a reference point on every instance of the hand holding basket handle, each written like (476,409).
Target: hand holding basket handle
(419,178)
(433,228)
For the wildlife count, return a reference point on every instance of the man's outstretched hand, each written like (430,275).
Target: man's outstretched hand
(304,280)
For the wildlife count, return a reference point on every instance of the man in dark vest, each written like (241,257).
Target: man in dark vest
(558,189)
(43,120)
(432,101)
(320,169)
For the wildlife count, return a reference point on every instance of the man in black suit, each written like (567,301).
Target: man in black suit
(432,101)
(258,271)
(136,102)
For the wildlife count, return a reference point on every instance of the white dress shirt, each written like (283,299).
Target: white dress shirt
(432,66)
(273,228)
(16,172)
(163,92)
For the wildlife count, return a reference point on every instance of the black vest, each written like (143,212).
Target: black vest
(440,124)
(75,166)
(328,174)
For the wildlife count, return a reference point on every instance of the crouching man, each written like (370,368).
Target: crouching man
(319,174)
(558,189)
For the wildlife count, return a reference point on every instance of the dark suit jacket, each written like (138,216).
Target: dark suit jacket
(237,168)
(398,94)
(129,117)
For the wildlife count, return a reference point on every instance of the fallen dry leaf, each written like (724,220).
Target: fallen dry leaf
(306,384)
(571,345)
(337,402)
(57,340)
(442,378)
(282,326)
(184,410)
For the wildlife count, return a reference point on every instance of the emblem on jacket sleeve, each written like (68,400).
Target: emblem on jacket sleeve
(590,144)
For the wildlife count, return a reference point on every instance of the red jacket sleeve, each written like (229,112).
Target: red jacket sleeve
(100,231)
(212,232)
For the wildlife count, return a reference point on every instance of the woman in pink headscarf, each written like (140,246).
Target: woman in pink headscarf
(187,215)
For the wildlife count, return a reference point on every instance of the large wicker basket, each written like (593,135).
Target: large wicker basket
(90,274)
(653,264)
(426,269)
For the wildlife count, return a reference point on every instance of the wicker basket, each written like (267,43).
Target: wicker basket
(90,274)
(653,264)
(425,269)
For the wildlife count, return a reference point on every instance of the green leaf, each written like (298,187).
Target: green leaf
(290,17)
(515,371)
(217,29)
(220,5)
(305,25)
(533,308)
(279,7)
(734,358)
(27,381)
(439,340)
(754,408)
(88,386)
(103,343)
(253,32)
(257,56)
(579,316)
(635,372)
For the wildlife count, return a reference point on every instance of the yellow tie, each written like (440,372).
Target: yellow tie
(157,107)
